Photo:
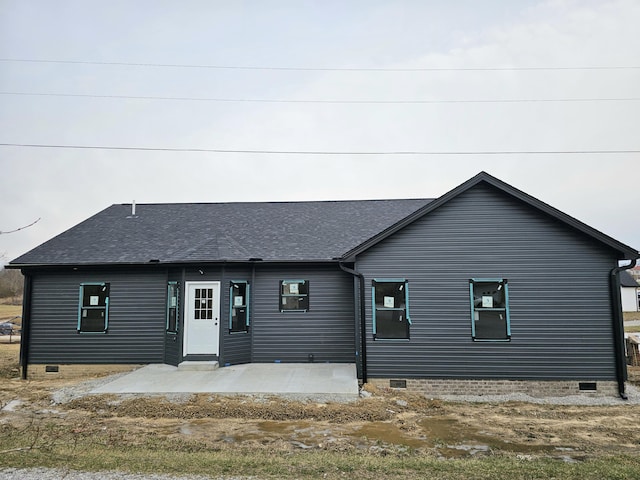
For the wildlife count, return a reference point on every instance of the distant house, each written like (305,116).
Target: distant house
(629,291)
(484,289)
(635,273)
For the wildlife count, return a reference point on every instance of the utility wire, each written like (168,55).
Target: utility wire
(321,152)
(319,69)
(364,102)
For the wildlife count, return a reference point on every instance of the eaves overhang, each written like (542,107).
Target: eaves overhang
(177,263)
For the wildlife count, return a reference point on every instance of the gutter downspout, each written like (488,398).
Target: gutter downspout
(363,323)
(26,325)
(618,327)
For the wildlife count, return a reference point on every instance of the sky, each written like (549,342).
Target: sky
(460,82)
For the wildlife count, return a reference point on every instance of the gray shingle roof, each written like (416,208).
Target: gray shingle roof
(192,232)
(626,280)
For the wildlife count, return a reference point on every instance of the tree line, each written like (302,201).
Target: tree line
(11,284)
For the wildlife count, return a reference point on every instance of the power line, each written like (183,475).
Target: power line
(319,69)
(364,102)
(321,152)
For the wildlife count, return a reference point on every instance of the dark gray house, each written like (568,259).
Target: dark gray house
(484,288)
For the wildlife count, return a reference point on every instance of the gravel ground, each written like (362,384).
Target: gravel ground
(57,474)
(71,392)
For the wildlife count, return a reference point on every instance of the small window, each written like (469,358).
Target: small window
(294,295)
(93,308)
(391,319)
(238,307)
(490,309)
(172,307)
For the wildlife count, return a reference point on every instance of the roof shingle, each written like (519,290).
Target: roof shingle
(191,232)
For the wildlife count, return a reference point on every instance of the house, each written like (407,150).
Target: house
(485,289)
(630,292)
(635,273)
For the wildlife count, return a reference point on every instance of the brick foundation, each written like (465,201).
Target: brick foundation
(48,371)
(534,388)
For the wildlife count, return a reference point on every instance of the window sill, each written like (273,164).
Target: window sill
(242,332)
(391,339)
(91,333)
(493,340)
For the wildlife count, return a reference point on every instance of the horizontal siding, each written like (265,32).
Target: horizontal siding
(326,330)
(136,332)
(173,341)
(558,291)
(236,347)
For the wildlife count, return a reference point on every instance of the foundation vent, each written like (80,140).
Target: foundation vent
(588,386)
(398,383)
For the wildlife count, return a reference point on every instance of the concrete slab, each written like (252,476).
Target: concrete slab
(307,381)
(198,366)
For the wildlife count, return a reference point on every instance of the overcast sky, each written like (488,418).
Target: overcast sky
(465,57)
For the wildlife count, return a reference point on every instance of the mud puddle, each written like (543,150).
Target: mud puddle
(445,436)
(453,439)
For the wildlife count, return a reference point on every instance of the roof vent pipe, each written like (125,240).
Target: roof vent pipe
(133,208)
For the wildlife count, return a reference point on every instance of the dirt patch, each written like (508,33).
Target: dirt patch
(388,422)
(211,406)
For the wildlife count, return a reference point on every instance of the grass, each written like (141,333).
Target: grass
(631,316)
(9,361)
(162,455)
(9,311)
(628,316)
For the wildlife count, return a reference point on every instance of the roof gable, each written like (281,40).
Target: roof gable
(270,231)
(624,251)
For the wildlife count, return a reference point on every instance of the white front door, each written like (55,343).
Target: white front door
(202,318)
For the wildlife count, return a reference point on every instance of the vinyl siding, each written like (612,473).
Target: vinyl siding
(173,341)
(559,297)
(326,330)
(136,331)
(236,347)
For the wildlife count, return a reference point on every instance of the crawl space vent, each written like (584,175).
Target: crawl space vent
(588,386)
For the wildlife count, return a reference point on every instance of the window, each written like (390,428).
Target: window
(203,304)
(390,300)
(238,307)
(93,308)
(490,309)
(294,295)
(172,307)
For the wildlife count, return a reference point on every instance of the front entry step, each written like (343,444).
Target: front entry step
(198,366)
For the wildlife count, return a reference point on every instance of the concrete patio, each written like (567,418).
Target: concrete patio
(304,381)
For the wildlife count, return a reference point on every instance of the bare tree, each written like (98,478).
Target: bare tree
(11,284)
(20,228)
